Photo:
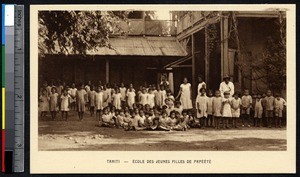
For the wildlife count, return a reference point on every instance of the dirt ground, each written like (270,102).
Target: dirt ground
(60,135)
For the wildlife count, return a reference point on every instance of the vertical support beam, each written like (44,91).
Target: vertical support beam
(222,48)
(171,81)
(106,70)
(193,66)
(225,28)
(206,57)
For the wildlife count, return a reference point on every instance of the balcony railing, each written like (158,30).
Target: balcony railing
(138,27)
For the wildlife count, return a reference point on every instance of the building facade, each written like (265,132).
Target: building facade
(190,44)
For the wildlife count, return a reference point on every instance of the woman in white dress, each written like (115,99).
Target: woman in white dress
(185,94)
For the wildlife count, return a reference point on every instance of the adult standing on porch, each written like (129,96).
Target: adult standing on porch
(164,82)
(185,94)
(226,85)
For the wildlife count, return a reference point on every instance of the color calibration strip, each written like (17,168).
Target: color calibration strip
(12,100)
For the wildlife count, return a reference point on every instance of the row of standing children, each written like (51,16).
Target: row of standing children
(213,110)
(55,98)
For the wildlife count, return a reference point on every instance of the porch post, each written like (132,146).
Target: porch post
(171,81)
(224,46)
(193,67)
(207,58)
(107,70)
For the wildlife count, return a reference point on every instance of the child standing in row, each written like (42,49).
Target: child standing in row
(130,96)
(279,104)
(151,98)
(65,100)
(235,109)
(91,98)
(98,101)
(81,97)
(246,105)
(201,105)
(258,111)
(53,102)
(269,101)
(217,108)
(117,99)
(226,109)
(44,103)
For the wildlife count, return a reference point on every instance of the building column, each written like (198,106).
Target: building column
(107,70)
(193,66)
(171,81)
(224,46)
(207,58)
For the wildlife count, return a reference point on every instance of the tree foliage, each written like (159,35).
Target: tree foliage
(76,32)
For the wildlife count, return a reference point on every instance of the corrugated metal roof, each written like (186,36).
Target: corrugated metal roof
(142,46)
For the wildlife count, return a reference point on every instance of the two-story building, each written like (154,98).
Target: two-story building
(190,44)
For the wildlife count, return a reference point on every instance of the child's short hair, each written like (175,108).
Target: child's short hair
(164,112)
(202,89)
(236,94)
(184,111)
(173,112)
(164,107)
(53,89)
(226,93)
(132,112)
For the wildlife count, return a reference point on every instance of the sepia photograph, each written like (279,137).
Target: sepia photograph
(177,83)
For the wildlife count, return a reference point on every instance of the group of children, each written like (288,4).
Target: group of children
(216,110)
(156,109)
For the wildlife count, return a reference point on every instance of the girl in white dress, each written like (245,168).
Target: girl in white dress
(64,107)
(201,106)
(123,92)
(106,95)
(44,103)
(117,99)
(151,98)
(235,109)
(217,108)
(91,98)
(258,111)
(130,97)
(226,109)
(53,102)
(72,92)
(99,102)
(143,97)
(157,97)
(185,94)
(162,96)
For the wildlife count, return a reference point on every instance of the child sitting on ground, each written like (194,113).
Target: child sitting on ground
(178,107)
(106,118)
